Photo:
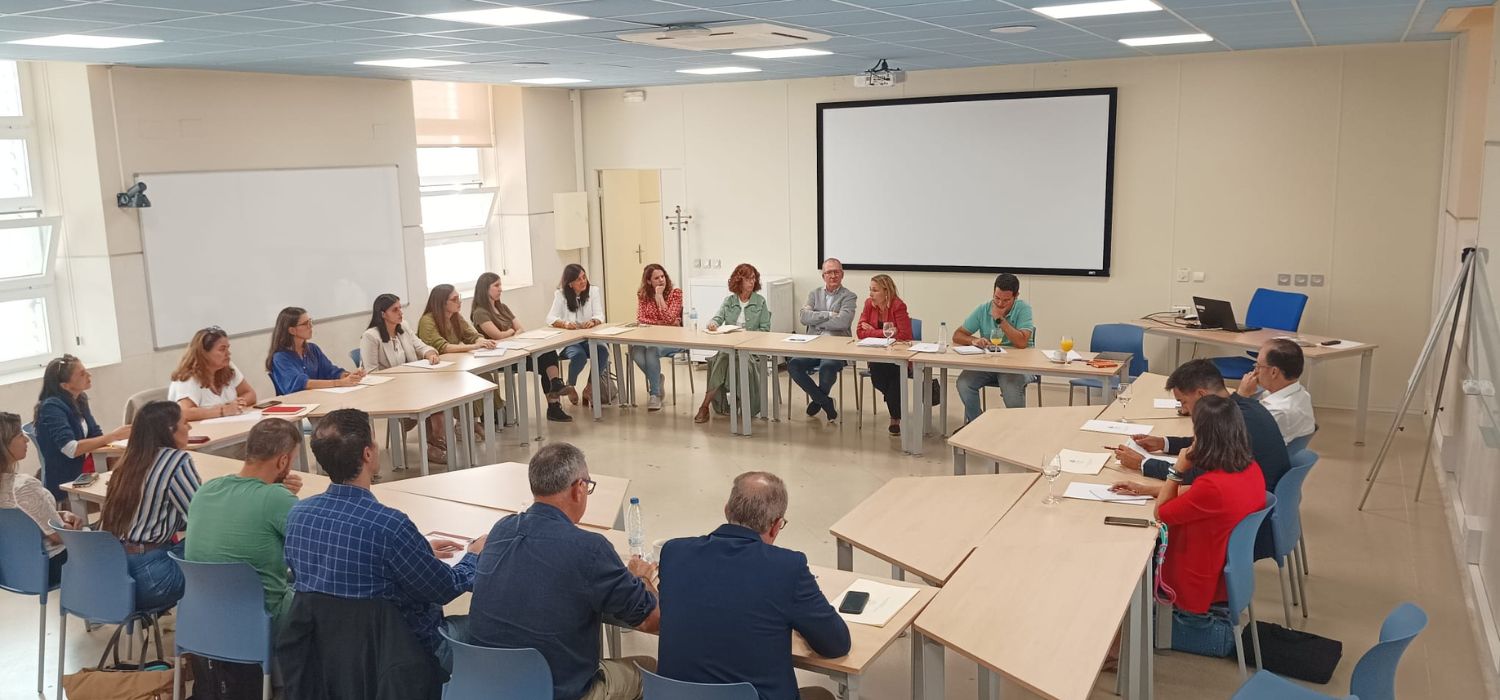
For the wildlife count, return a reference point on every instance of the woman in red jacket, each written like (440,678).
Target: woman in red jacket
(885,306)
(1227,487)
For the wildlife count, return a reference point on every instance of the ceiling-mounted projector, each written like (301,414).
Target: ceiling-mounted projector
(881,75)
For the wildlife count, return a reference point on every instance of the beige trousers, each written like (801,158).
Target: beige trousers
(619,679)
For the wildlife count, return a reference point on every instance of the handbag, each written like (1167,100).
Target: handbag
(96,684)
(1293,653)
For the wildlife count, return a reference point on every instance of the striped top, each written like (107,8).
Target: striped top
(170,485)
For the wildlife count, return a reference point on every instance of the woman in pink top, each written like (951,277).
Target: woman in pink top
(658,303)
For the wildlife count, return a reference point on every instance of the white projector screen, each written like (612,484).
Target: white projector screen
(1007,182)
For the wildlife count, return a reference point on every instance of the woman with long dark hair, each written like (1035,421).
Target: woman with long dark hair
(24,492)
(147,503)
(66,431)
(497,322)
(296,363)
(578,305)
(658,303)
(206,384)
(443,325)
(387,343)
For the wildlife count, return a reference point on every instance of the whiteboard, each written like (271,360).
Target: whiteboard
(1014,182)
(231,249)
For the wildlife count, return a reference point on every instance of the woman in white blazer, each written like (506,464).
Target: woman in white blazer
(576,305)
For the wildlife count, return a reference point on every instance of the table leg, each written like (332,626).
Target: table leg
(422,441)
(447,437)
(80,508)
(1366,359)
(593,349)
(621,374)
(743,391)
(845,555)
(627,375)
(523,411)
(943,403)
(512,412)
(898,573)
(850,685)
(466,438)
(770,410)
(927,667)
(536,405)
(776,390)
(1110,389)
(1176,353)
(491,429)
(989,684)
(1137,667)
(904,401)
(959,459)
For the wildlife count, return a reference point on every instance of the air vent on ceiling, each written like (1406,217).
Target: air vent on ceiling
(725,37)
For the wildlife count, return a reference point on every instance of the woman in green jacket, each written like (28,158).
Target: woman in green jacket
(748,309)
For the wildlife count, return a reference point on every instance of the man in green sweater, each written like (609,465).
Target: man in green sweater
(242,517)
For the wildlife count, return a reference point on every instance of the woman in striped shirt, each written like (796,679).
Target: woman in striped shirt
(658,303)
(147,503)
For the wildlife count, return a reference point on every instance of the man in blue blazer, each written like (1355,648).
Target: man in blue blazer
(735,598)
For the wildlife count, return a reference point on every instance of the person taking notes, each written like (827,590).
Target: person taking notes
(1005,320)
(206,384)
(296,363)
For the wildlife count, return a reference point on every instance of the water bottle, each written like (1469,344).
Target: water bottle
(693,319)
(943,336)
(635,529)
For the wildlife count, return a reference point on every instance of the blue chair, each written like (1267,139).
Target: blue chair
(1239,578)
(659,688)
(1269,308)
(1113,337)
(354,357)
(222,616)
(1286,531)
(1301,443)
(864,374)
(29,429)
(1374,676)
(482,673)
(96,586)
(1292,448)
(24,569)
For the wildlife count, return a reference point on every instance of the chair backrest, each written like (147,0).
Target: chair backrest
(1270,308)
(139,399)
(354,357)
(481,673)
(659,688)
(23,556)
(916,330)
(1239,560)
(1286,519)
(1300,444)
(29,430)
(96,582)
(222,614)
(1122,337)
(1375,675)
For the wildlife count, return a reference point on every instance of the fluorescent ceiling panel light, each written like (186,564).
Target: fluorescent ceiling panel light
(721,70)
(1014,29)
(782,53)
(550,81)
(1098,9)
(507,16)
(85,41)
(1164,40)
(408,63)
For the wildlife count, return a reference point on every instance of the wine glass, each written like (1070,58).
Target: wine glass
(1066,344)
(1051,468)
(1123,394)
(889,329)
(997,337)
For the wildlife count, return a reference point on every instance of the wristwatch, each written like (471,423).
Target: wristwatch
(1174,475)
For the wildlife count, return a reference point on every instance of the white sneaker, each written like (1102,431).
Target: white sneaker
(653,403)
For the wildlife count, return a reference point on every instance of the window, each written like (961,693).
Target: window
(456,213)
(19,171)
(28,302)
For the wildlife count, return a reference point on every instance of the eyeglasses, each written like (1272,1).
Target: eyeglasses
(592,485)
(784,523)
(308,322)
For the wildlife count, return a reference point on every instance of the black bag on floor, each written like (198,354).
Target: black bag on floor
(221,680)
(1294,654)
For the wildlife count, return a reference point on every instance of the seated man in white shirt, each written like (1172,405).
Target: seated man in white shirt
(1274,383)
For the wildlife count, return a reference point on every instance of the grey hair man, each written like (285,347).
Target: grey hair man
(830,310)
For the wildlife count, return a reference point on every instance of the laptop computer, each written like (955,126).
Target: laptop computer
(1217,313)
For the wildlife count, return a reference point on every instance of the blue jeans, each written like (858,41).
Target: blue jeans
(577,356)
(648,358)
(158,579)
(800,369)
(971,383)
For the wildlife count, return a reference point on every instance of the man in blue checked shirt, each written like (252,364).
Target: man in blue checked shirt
(344,543)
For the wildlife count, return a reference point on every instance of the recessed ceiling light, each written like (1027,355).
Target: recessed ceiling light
(1096,9)
(85,41)
(782,53)
(1014,29)
(550,81)
(409,63)
(721,70)
(507,16)
(1163,40)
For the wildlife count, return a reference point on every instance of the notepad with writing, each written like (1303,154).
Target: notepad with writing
(885,601)
(372,380)
(875,342)
(800,338)
(456,556)
(614,330)
(424,364)
(1117,428)
(495,352)
(510,345)
(1076,462)
(539,334)
(926,347)
(730,328)
(1100,492)
(1060,358)
(1135,447)
(968,350)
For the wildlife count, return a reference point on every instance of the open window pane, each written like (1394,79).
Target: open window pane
(458,263)
(464,211)
(448,166)
(25,321)
(10,89)
(15,171)
(23,251)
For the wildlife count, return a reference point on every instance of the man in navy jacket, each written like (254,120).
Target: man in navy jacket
(734,599)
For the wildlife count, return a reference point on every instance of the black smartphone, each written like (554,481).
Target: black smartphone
(1127,522)
(1330,342)
(854,602)
(85,479)
(267,404)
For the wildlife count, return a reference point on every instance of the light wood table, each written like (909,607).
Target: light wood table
(832,347)
(208,466)
(1144,391)
(1039,601)
(866,642)
(1031,360)
(664,337)
(222,433)
(416,396)
(535,347)
(511,363)
(1252,340)
(927,525)
(1018,438)
(506,487)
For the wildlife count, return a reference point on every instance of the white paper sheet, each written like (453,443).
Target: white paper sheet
(457,556)
(875,342)
(372,380)
(1166,403)
(926,347)
(614,330)
(251,416)
(511,345)
(496,352)
(885,601)
(1075,462)
(968,350)
(343,389)
(1100,492)
(1169,459)
(539,333)
(424,364)
(1059,357)
(1117,428)
(800,338)
(721,330)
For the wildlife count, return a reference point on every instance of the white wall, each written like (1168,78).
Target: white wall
(1240,165)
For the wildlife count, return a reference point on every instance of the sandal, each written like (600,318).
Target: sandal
(702,416)
(572,394)
(588,395)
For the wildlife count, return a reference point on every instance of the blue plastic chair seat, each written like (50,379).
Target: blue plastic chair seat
(483,673)
(1116,337)
(1265,685)
(657,687)
(1374,677)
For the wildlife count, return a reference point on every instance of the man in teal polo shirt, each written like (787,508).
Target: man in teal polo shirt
(1006,317)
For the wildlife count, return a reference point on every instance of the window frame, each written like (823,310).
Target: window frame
(40,286)
(437,186)
(25,129)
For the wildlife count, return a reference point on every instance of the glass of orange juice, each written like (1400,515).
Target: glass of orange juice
(1066,344)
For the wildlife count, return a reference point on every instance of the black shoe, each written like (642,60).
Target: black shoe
(832,412)
(937,392)
(813,408)
(894,430)
(556,414)
(556,386)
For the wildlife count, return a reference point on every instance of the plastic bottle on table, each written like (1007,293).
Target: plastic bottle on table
(635,528)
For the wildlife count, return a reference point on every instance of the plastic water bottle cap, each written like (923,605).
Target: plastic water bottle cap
(635,501)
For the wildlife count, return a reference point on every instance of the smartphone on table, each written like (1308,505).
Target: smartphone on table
(854,602)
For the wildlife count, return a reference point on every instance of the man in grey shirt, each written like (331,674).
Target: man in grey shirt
(830,310)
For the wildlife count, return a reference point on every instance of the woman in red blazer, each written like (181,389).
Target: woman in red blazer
(885,306)
(1228,486)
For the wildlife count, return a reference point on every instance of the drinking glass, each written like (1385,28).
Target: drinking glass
(1051,468)
(889,329)
(996,338)
(1066,344)
(1123,394)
